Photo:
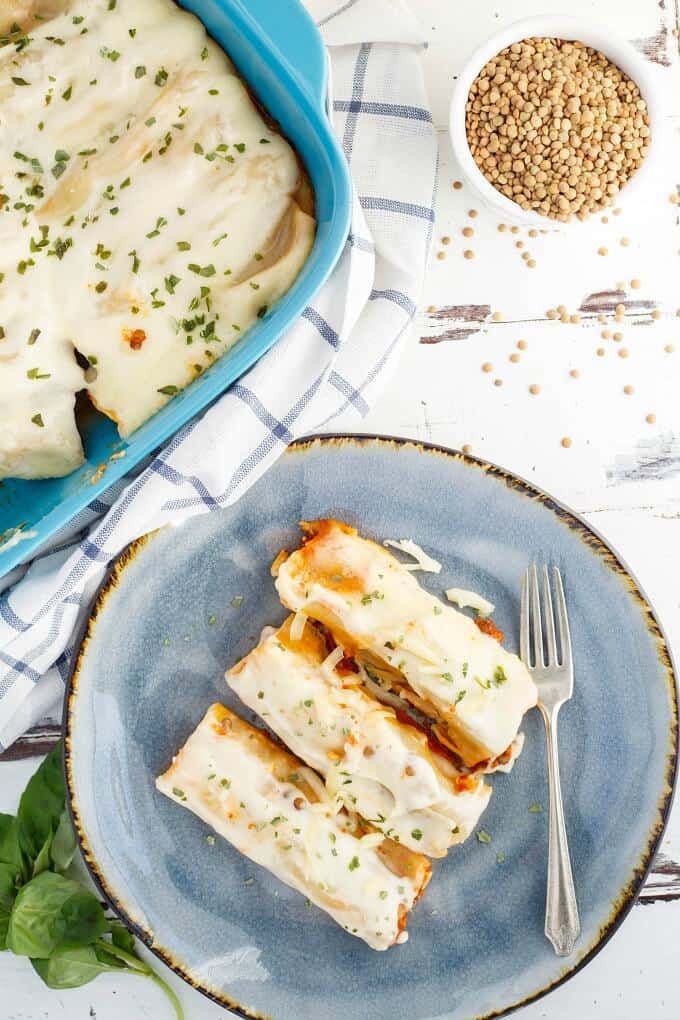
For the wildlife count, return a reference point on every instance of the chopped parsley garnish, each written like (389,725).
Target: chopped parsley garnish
(416,834)
(236,602)
(109,54)
(212,620)
(500,857)
(260,695)
(20,81)
(67,93)
(101,286)
(535,809)
(225,783)
(204,53)
(38,420)
(179,793)
(466,666)
(240,146)
(483,836)
(374,596)
(33,336)
(140,71)
(353,864)
(135,261)
(499,676)
(447,677)
(202,270)
(168,391)
(460,696)
(35,373)
(183,246)
(383,894)
(161,77)
(210,840)
(437,610)
(171,282)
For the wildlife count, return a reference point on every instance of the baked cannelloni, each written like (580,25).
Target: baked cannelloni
(151,214)
(432,655)
(377,765)
(276,811)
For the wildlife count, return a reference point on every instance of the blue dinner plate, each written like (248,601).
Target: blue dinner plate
(164,630)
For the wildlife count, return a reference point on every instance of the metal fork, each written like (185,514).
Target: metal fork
(554,677)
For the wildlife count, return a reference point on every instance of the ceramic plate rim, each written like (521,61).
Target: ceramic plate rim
(614,562)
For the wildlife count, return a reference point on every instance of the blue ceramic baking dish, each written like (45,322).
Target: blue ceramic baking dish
(280,54)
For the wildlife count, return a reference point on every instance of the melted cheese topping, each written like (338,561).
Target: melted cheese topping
(375,764)
(254,795)
(476,690)
(149,214)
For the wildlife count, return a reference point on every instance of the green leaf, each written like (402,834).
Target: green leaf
(41,804)
(42,861)
(50,910)
(107,957)
(71,966)
(63,844)
(122,938)
(8,891)
(10,849)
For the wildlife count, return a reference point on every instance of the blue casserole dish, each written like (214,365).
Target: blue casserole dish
(279,53)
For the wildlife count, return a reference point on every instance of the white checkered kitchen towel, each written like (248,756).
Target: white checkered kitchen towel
(329,367)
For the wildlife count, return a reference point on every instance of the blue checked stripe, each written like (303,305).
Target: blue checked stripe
(326,331)
(341,10)
(397,297)
(383,109)
(357,93)
(423,212)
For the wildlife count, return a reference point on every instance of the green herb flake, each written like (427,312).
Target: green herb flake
(535,809)
(416,834)
(37,419)
(500,857)
(236,602)
(35,373)
(176,792)
(140,71)
(353,864)
(210,840)
(161,77)
(483,836)
(168,391)
(67,93)
(109,54)
(20,81)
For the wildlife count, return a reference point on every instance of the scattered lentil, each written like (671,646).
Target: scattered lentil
(519,244)
(472,213)
(620,309)
(487,366)
(574,373)
(522,345)
(468,253)
(446,239)
(656,313)
(600,352)
(533,232)
(617,336)
(617,211)
(565,442)
(514,230)
(468,232)
(624,242)
(467,448)
(669,348)
(605,334)
(441,255)
(502,228)
(628,390)
(514,358)
(603,251)
(497,317)
(534,389)
(650,419)
(623,352)
(575,319)
(552,313)
(601,318)
(531,263)
(457,185)
(635,284)
(498,382)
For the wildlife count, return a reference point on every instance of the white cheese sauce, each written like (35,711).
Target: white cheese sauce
(148,215)
(227,773)
(377,765)
(361,591)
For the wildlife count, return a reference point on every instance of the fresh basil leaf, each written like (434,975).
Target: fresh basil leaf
(122,938)
(10,849)
(8,891)
(108,958)
(84,918)
(71,966)
(64,843)
(41,804)
(52,909)
(42,861)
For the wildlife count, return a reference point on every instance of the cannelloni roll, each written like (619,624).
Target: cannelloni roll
(434,656)
(387,770)
(276,811)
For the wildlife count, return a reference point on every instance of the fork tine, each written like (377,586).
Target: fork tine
(524,629)
(551,644)
(536,616)
(562,620)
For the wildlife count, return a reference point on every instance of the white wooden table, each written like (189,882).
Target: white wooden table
(622,472)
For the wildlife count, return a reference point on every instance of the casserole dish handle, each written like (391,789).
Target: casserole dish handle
(293,33)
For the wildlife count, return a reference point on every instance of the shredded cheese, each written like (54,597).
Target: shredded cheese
(423,561)
(470,600)
(297,627)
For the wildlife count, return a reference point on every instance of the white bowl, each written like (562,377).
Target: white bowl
(558,26)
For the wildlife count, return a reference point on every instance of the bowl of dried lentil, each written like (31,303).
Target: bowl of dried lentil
(554,119)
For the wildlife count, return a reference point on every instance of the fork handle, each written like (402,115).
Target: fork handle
(562,924)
